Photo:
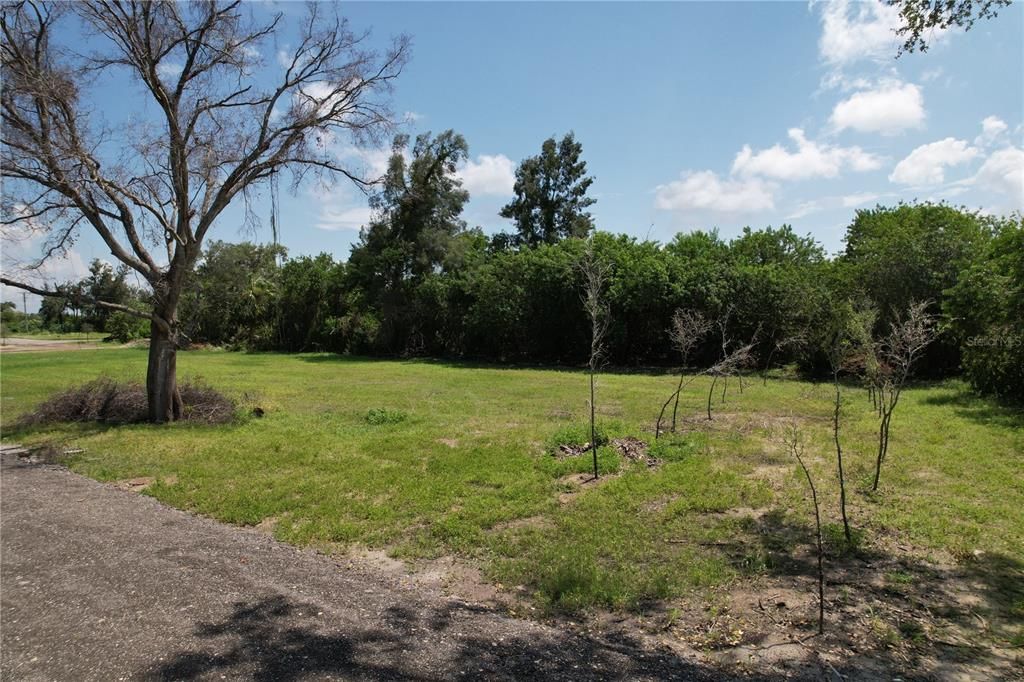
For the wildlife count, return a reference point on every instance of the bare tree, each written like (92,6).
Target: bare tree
(688,328)
(595,278)
(218,131)
(794,441)
(731,362)
(908,336)
(797,340)
(728,366)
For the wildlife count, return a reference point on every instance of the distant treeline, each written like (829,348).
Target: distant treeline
(501,303)
(492,300)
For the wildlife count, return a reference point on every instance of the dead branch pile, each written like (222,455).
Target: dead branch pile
(111,402)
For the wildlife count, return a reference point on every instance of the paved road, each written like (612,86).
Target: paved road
(101,584)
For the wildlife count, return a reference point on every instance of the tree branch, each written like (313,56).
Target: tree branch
(160,322)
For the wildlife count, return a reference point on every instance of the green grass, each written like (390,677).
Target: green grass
(427,459)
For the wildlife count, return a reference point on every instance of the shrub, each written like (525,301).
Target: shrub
(378,416)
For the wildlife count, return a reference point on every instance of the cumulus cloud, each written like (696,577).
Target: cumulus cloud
(853,31)
(705,190)
(1003,172)
(926,165)
(335,218)
(991,128)
(810,160)
(340,209)
(488,175)
(889,108)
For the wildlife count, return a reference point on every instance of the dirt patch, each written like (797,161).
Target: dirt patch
(267,525)
(137,485)
(571,450)
(524,522)
(572,485)
(456,578)
(773,474)
(634,450)
(450,442)
(890,612)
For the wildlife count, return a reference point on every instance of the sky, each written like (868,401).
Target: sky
(692,115)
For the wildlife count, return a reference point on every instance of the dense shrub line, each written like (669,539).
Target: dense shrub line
(486,299)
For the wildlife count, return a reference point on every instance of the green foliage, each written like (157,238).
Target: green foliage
(379,416)
(986,313)
(576,435)
(551,195)
(908,253)
(231,296)
(420,283)
(123,327)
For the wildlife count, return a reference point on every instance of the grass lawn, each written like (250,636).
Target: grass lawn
(425,459)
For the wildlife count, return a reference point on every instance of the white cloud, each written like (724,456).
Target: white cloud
(991,128)
(851,200)
(335,218)
(705,190)
(340,209)
(805,208)
(488,175)
(926,165)
(22,244)
(811,160)
(890,108)
(169,70)
(852,31)
(411,117)
(1003,172)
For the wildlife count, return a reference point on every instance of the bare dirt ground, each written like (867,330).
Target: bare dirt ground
(99,582)
(14,344)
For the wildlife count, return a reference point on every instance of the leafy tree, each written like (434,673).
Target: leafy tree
(908,253)
(986,313)
(418,215)
(310,304)
(104,283)
(551,195)
(231,296)
(222,124)
(921,16)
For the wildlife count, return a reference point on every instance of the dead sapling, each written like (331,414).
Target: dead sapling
(595,278)
(688,328)
(794,442)
(797,340)
(731,362)
(908,336)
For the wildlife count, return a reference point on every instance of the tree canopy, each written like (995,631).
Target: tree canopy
(551,195)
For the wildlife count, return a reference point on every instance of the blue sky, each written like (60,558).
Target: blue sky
(692,115)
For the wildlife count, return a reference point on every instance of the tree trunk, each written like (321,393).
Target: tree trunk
(593,429)
(839,458)
(162,397)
